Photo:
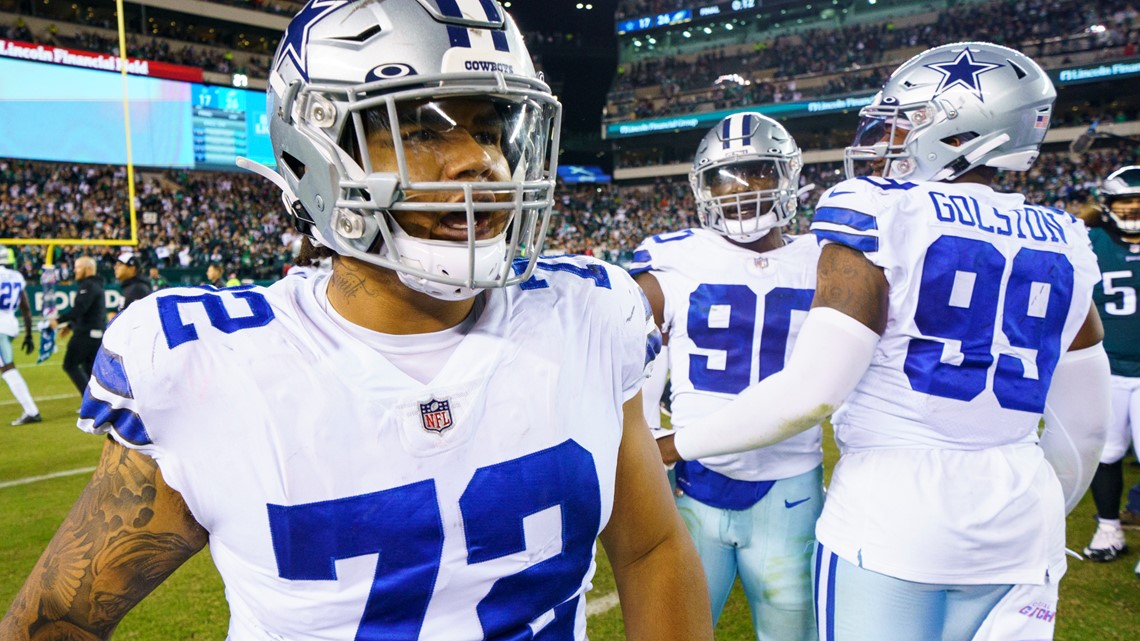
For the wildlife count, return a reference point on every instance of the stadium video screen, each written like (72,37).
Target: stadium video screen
(59,113)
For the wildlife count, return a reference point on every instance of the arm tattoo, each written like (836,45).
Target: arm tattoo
(849,283)
(127,532)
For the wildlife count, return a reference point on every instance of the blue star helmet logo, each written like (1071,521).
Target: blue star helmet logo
(963,72)
(296,39)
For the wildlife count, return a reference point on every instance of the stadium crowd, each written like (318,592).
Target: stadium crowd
(188,220)
(202,51)
(863,55)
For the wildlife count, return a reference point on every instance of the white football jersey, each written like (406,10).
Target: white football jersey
(12,285)
(346,500)
(732,316)
(986,293)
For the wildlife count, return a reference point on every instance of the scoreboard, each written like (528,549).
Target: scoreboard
(173,123)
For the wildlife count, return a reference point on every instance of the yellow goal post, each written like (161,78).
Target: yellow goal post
(133,241)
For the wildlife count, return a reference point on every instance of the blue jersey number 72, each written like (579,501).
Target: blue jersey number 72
(403,527)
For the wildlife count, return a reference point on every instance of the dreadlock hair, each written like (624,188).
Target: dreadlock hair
(311,254)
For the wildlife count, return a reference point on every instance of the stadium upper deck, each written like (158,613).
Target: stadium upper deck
(813,65)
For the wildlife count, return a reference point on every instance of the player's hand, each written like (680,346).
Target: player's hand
(29,345)
(64,331)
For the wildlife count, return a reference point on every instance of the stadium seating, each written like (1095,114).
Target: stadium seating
(235,219)
(760,67)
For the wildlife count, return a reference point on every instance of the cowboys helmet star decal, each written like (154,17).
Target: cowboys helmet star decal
(962,72)
(296,38)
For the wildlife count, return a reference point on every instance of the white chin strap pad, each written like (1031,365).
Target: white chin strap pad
(446,260)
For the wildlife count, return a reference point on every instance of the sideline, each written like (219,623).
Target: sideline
(45,477)
(601,605)
(56,397)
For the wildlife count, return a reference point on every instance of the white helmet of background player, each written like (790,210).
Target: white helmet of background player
(347,73)
(7,257)
(1120,201)
(951,109)
(745,177)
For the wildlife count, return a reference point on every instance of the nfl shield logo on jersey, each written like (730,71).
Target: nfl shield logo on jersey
(436,415)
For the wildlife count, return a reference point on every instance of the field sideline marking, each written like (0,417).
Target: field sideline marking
(45,477)
(601,605)
(42,398)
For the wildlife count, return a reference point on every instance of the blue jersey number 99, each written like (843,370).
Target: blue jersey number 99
(732,331)
(403,527)
(958,302)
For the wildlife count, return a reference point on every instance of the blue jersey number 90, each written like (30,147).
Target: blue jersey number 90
(732,333)
(958,302)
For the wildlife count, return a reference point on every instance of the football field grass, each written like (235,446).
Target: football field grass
(43,469)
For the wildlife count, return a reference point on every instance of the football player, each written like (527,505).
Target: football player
(1116,242)
(13,296)
(948,318)
(425,444)
(731,297)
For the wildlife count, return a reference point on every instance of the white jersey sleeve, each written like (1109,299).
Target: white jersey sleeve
(150,356)
(618,303)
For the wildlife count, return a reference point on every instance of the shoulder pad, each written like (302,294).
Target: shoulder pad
(846,214)
(654,253)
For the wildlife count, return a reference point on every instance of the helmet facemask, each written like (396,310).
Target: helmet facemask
(1120,202)
(351,81)
(745,176)
(1124,212)
(745,199)
(882,144)
(457,182)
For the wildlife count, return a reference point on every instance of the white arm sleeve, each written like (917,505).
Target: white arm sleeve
(654,387)
(830,356)
(1077,411)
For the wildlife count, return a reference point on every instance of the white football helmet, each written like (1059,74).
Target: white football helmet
(953,108)
(1120,201)
(387,108)
(745,176)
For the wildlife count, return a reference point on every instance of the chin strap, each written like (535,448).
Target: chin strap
(268,174)
(292,204)
(962,164)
